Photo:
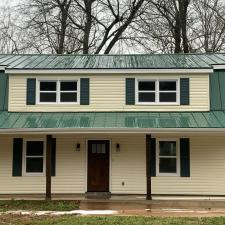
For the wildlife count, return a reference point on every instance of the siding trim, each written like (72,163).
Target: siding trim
(108,71)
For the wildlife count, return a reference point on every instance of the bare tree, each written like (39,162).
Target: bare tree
(94,25)
(209,30)
(48,25)
(107,26)
(12,38)
(167,21)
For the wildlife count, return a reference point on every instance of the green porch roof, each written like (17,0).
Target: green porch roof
(147,61)
(111,120)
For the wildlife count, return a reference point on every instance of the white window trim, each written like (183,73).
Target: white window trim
(157,92)
(177,157)
(24,173)
(58,91)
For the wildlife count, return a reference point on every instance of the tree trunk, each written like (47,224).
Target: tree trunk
(177,34)
(62,34)
(183,6)
(88,23)
(120,31)
(64,7)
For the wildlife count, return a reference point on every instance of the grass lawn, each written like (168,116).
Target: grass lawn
(110,220)
(38,205)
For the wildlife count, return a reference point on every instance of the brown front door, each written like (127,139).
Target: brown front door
(98,166)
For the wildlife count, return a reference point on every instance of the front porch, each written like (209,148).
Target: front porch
(128,176)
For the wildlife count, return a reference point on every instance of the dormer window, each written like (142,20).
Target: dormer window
(62,91)
(157,92)
(48,91)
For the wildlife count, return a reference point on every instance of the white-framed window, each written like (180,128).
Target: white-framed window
(57,91)
(34,155)
(167,157)
(158,91)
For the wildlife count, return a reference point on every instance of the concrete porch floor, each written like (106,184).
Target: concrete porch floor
(115,198)
(137,205)
(121,201)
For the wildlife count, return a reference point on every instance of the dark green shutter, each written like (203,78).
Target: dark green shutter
(130,91)
(53,164)
(17,157)
(184,91)
(184,157)
(31,91)
(217,87)
(4,83)
(84,91)
(153,156)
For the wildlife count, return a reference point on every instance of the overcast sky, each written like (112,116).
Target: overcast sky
(7,2)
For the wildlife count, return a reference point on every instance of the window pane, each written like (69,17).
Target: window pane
(167,165)
(93,148)
(98,148)
(167,148)
(35,148)
(47,97)
(167,85)
(146,85)
(34,165)
(68,97)
(48,86)
(167,97)
(68,86)
(146,97)
(101,148)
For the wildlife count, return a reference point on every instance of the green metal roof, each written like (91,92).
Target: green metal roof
(112,120)
(150,61)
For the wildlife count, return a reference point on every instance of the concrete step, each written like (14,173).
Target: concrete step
(98,195)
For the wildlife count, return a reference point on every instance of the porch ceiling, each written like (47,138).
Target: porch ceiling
(112,120)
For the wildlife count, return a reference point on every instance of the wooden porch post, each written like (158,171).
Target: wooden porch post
(48,195)
(148,168)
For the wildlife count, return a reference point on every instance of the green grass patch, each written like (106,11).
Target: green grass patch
(38,205)
(112,220)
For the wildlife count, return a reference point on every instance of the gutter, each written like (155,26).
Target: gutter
(2,67)
(110,71)
(219,67)
(113,131)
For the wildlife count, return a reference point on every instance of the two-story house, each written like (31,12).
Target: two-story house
(119,124)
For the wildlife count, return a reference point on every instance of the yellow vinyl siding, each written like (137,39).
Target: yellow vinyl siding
(128,166)
(16,185)
(107,93)
(71,166)
(207,163)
